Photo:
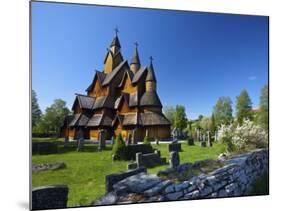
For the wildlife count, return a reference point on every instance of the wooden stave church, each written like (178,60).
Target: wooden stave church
(121,99)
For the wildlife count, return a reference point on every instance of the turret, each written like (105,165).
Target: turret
(150,80)
(135,63)
(113,57)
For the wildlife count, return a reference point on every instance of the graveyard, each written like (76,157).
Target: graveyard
(85,171)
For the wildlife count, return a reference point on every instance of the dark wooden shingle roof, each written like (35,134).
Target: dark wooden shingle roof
(139,74)
(109,77)
(150,99)
(104,102)
(99,120)
(150,76)
(100,76)
(153,118)
(115,42)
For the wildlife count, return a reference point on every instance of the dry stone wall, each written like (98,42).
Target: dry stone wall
(233,179)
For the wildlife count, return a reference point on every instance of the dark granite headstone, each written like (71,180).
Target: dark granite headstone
(102,140)
(203,143)
(174,159)
(174,147)
(49,197)
(190,141)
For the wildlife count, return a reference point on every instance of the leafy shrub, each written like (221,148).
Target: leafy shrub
(146,140)
(243,137)
(119,148)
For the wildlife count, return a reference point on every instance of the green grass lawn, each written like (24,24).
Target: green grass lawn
(85,172)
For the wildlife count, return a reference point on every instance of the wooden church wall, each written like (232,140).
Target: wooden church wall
(128,87)
(98,90)
(108,63)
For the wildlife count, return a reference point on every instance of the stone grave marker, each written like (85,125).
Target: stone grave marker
(102,140)
(174,159)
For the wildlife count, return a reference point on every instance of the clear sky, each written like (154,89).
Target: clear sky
(198,57)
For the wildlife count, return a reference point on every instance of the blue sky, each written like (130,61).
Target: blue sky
(198,57)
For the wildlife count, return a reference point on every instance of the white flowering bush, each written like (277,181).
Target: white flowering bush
(243,137)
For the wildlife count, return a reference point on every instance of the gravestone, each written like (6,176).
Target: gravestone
(209,140)
(174,159)
(66,141)
(49,197)
(134,138)
(102,140)
(175,134)
(174,147)
(147,160)
(190,141)
(203,144)
(216,135)
(157,141)
(80,140)
(139,159)
(112,140)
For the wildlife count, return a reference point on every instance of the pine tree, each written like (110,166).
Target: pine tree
(243,107)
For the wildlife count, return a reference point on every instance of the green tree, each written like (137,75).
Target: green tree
(223,111)
(146,141)
(264,108)
(170,112)
(36,112)
(243,107)
(54,116)
(119,148)
(213,126)
(205,123)
(180,117)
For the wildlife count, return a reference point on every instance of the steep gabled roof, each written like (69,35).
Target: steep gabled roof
(127,119)
(85,102)
(100,76)
(153,118)
(129,73)
(99,120)
(74,120)
(104,102)
(114,72)
(114,55)
(139,74)
(150,99)
(115,42)
(79,120)
(131,99)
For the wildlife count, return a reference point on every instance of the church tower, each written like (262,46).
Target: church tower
(135,64)
(150,80)
(113,57)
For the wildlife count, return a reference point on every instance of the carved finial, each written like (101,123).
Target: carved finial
(116,30)
(151,59)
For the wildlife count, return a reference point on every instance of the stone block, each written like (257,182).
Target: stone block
(49,197)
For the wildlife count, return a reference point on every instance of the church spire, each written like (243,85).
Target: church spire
(135,63)
(150,80)
(113,56)
(115,44)
(150,72)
